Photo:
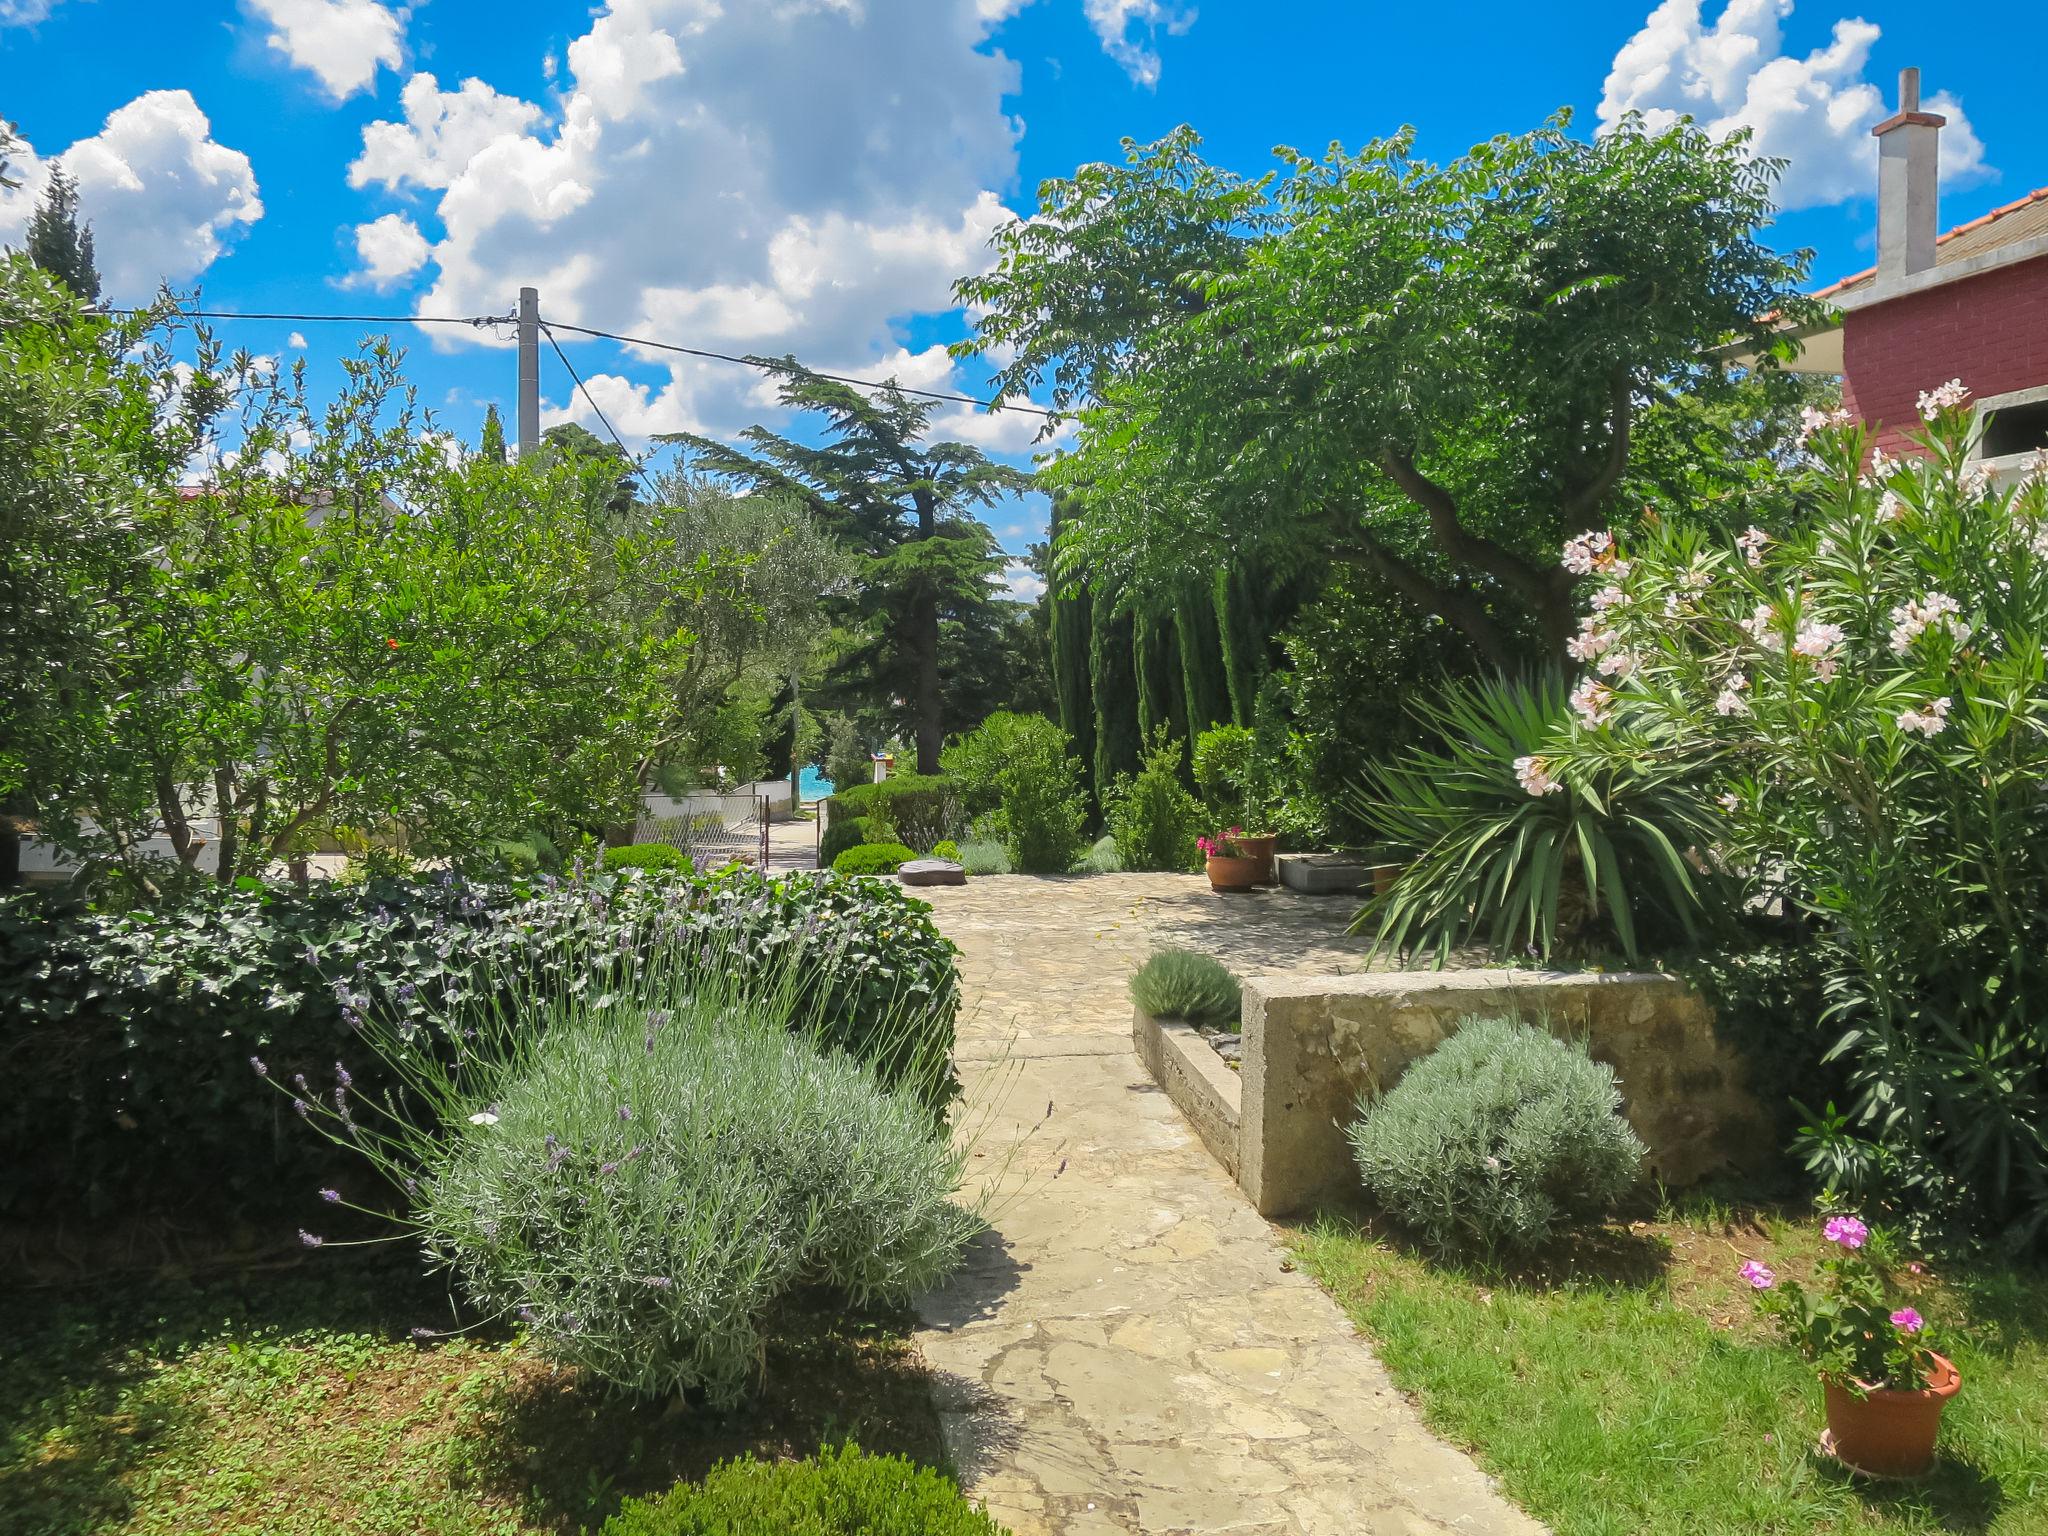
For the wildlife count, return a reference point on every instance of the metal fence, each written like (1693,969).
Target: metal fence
(718,830)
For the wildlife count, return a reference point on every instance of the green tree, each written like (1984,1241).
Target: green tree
(1113,684)
(58,243)
(905,508)
(1430,373)
(1069,626)
(492,446)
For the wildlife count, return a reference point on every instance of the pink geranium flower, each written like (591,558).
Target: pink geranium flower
(1906,1320)
(1760,1276)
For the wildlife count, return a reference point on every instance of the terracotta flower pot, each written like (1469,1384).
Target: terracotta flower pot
(1884,1432)
(1384,876)
(1261,849)
(1233,874)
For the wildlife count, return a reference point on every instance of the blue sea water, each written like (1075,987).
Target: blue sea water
(813,785)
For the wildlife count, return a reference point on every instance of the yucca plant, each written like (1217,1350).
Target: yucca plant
(1516,838)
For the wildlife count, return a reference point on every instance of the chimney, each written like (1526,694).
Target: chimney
(1908,168)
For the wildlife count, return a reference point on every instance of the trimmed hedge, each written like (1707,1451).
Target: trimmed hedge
(647,856)
(873,859)
(841,833)
(840,1493)
(125,1039)
(918,809)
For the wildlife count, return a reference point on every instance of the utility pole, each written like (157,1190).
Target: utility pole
(529,370)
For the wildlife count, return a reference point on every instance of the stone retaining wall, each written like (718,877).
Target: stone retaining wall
(1314,1044)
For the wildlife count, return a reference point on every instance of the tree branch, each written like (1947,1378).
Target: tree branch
(1620,419)
(1458,541)
(1449,603)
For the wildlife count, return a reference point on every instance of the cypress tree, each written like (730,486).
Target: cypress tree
(1242,641)
(1070,627)
(1204,681)
(493,445)
(58,244)
(1113,677)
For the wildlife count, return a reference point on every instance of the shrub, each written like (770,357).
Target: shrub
(1186,984)
(873,859)
(1153,818)
(125,1038)
(1025,766)
(984,858)
(662,856)
(918,809)
(841,833)
(1101,859)
(1874,687)
(840,1493)
(1497,1139)
(642,1172)
(946,848)
(1516,839)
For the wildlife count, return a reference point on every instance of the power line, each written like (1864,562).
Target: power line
(771,365)
(591,400)
(765,364)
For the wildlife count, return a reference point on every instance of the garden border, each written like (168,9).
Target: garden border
(1313,1044)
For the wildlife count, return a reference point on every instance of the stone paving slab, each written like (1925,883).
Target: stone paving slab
(1127,1350)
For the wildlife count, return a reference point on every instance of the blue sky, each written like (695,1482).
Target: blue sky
(809,175)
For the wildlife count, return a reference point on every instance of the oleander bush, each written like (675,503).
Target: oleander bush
(125,1038)
(873,859)
(643,1171)
(660,856)
(839,1493)
(1499,1139)
(1021,774)
(1186,984)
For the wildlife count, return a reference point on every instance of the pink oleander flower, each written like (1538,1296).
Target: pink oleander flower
(1592,700)
(1941,398)
(1906,1320)
(1818,643)
(1759,623)
(1889,508)
(1812,421)
(1617,664)
(1928,722)
(1937,610)
(1609,596)
(1751,543)
(1761,1277)
(1590,641)
(1533,774)
(1730,701)
(1582,554)
(1729,802)
(1846,1230)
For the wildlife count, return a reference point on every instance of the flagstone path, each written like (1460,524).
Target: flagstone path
(1128,1350)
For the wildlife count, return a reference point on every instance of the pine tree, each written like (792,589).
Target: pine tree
(905,508)
(493,445)
(57,243)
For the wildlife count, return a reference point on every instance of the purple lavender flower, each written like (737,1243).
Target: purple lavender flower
(625,1111)
(331,1196)
(605,1168)
(256,1063)
(341,1076)
(571,1323)
(424,1335)
(657,1018)
(526,1315)
(304,1109)
(309,1240)
(412,1186)
(657,1282)
(405,991)
(341,1102)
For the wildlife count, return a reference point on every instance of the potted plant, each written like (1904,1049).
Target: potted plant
(1236,781)
(1229,866)
(1883,1383)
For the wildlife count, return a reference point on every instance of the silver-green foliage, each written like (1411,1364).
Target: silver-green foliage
(655,1182)
(1185,984)
(984,857)
(1497,1139)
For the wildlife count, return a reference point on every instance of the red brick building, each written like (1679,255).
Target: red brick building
(1971,304)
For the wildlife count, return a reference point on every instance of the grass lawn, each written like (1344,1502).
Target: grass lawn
(1628,1387)
(296,1402)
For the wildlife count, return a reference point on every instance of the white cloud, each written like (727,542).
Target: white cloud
(296,341)
(25,13)
(162,197)
(1129,28)
(1022,584)
(342,42)
(390,248)
(663,193)
(1815,112)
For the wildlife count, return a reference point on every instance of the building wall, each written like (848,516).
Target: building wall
(1989,331)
